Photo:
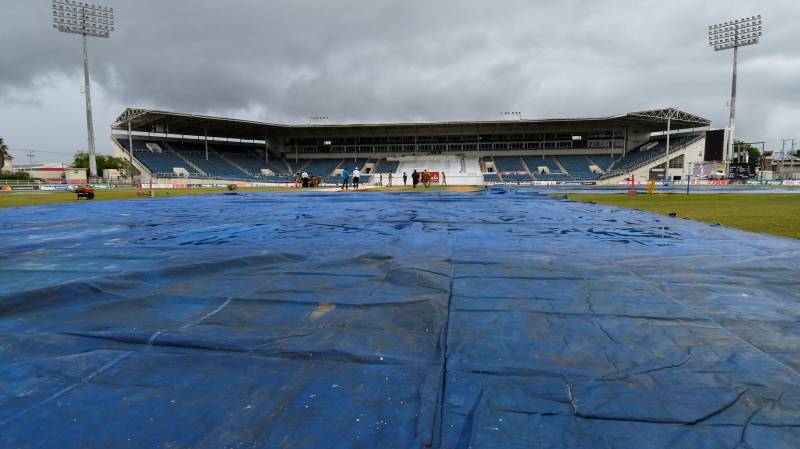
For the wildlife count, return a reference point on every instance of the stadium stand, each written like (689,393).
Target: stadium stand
(296,165)
(251,160)
(601,160)
(534,162)
(158,163)
(322,167)
(385,166)
(214,167)
(552,177)
(507,164)
(577,166)
(647,153)
(466,151)
(351,163)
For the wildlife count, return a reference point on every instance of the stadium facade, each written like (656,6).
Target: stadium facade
(653,144)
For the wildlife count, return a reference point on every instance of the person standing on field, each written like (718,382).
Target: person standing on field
(426,179)
(356,176)
(390,179)
(345,178)
(414,179)
(405,179)
(444,179)
(305,179)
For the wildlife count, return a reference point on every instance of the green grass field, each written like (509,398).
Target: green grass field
(37,198)
(777,214)
(15,199)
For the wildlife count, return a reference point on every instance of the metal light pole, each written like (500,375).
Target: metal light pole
(87,20)
(734,34)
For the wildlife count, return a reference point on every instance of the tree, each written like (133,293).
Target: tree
(81,160)
(16,176)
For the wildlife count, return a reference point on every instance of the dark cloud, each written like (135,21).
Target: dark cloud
(408,60)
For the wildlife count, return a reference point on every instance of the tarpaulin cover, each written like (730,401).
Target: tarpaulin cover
(496,319)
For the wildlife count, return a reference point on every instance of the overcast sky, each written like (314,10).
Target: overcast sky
(386,60)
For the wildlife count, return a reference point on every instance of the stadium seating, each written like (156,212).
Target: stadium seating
(162,164)
(214,167)
(250,160)
(296,166)
(602,160)
(385,166)
(577,166)
(642,156)
(507,164)
(534,162)
(321,167)
(239,161)
(158,163)
(552,177)
(351,163)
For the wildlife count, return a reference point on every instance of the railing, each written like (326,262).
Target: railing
(658,155)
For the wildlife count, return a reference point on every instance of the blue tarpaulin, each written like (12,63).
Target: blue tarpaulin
(495,319)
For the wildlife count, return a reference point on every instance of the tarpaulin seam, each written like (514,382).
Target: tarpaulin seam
(227,301)
(69,388)
(208,315)
(717,323)
(439,423)
(116,360)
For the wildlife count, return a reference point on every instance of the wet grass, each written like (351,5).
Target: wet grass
(37,198)
(777,214)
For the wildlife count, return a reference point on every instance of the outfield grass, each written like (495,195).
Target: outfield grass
(15,199)
(777,214)
(37,198)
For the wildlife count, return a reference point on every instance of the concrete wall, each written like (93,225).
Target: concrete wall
(636,136)
(459,171)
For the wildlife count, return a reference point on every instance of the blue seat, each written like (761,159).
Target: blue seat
(577,166)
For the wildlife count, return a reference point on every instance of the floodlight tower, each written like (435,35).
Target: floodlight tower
(87,20)
(734,34)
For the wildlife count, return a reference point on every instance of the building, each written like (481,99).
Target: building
(659,144)
(55,173)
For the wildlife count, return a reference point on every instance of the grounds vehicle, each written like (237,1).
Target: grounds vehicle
(86,192)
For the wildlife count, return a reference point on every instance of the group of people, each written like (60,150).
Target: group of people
(346,178)
(305,180)
(423,177)
(416,177)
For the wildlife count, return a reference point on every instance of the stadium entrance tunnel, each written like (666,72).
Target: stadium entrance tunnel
(402,320)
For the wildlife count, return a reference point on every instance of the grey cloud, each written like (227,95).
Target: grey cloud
(414,60)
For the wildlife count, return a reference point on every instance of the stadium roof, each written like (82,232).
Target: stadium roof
(144,120)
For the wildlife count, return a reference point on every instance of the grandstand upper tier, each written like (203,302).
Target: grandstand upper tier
(167,144)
